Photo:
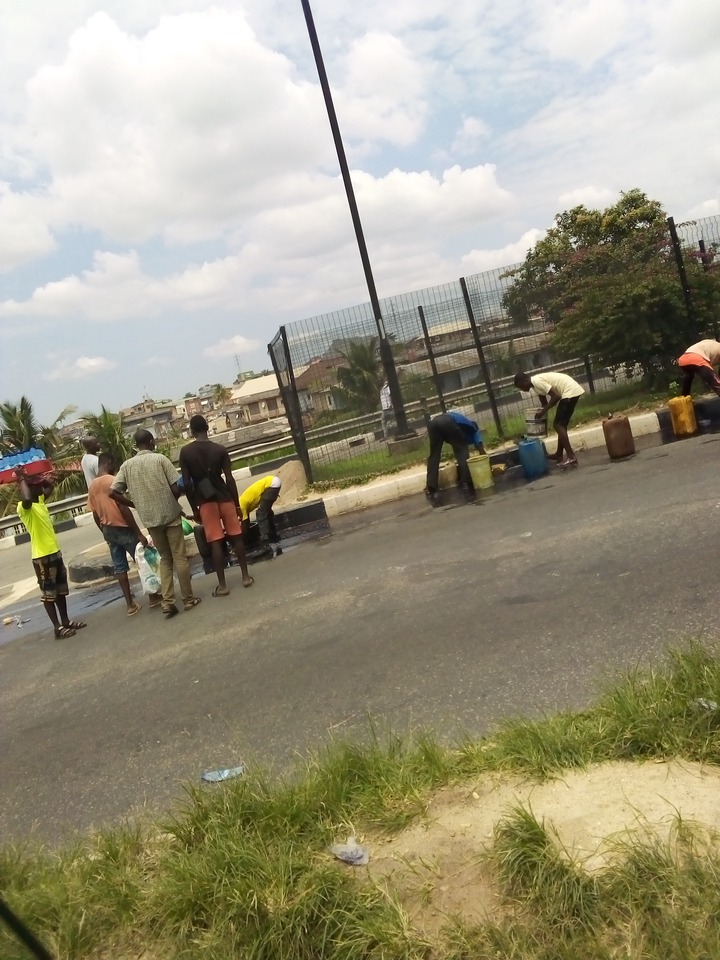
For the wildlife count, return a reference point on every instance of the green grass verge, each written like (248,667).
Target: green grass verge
(241,871)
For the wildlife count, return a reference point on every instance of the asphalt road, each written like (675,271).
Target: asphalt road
(451,619)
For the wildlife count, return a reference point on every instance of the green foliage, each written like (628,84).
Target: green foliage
(221,395)
(108,430)
(607,283)
(359,382)
(242,871)
(20,430)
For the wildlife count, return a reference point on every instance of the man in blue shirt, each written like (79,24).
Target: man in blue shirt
(453,428)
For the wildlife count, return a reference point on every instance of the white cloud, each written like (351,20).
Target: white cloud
(479,260)
(595,198)
(157,362)
(79,369)
(186,142)
(229,347)
(468,138)
(708,208)
(25,233)
(580,30)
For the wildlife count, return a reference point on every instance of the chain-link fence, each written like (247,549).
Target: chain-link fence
(454,346)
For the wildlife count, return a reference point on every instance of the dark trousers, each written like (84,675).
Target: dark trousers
(265,516)
(443,429)
(706,374)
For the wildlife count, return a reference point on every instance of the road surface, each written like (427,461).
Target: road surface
(451,619)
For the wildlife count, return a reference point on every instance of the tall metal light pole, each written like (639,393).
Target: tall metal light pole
(386,355)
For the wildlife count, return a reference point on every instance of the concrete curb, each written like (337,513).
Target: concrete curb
(412,481)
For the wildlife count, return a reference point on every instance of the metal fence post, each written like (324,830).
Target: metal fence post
(431,357)
(677,250)
(481,355)
(288,392)
(588,371)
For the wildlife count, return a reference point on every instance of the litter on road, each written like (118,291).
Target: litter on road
(226,773)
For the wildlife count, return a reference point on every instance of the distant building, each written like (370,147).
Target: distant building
(257,399)
(156,417)
(192,406)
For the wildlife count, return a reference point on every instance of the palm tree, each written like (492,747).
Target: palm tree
(107,428)
(221,395)
(360,381)
(20,429)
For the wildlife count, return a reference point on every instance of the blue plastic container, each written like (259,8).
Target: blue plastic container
(532,458)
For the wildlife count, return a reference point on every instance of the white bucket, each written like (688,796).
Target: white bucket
(533,427)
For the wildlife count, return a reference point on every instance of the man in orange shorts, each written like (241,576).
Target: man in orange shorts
(212,492)
(701,359)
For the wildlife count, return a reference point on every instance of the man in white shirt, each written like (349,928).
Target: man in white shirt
(700,359)
(555,390)
(89,462)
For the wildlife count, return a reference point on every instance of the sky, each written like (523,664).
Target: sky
(170,193)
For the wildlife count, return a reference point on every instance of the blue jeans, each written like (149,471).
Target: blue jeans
(122,541)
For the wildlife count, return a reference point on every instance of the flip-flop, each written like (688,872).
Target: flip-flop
(191,603)
(569,463)
(221,592)
(135,608)
(62,633)
(154,606)
(252,581)
(75,625)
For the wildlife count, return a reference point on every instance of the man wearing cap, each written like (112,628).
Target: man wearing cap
(457,430)
(212,492)
(261,496)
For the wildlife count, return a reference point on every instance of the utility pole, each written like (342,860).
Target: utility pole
(386,354)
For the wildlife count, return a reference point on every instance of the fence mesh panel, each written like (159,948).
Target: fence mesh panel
(331,375)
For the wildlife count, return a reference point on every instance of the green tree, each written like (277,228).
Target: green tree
(108,429)
(606,282)
(221,394)
(20,429)
(359,381)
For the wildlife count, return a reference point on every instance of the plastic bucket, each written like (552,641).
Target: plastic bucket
(480,472)
(533,427)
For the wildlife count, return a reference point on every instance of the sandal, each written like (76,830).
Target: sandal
(154,604)
(250,582)
(75,625)
(191,603)
(170,612)
(62,633)
(219,592)
(135,608)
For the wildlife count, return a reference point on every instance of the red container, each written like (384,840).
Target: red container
(38,467)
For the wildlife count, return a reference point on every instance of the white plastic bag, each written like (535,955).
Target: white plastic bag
(148,564)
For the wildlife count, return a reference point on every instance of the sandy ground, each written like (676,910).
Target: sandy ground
(437,865)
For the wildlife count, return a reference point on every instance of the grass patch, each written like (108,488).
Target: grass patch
(241,871)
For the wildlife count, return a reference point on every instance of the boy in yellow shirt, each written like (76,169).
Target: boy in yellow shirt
(261,496)
(46,556)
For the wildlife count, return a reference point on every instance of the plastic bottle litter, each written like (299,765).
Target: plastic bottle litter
(350,852)
(709,705)
(226,773)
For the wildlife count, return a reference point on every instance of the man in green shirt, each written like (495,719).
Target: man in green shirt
(46,556)
(150,479)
